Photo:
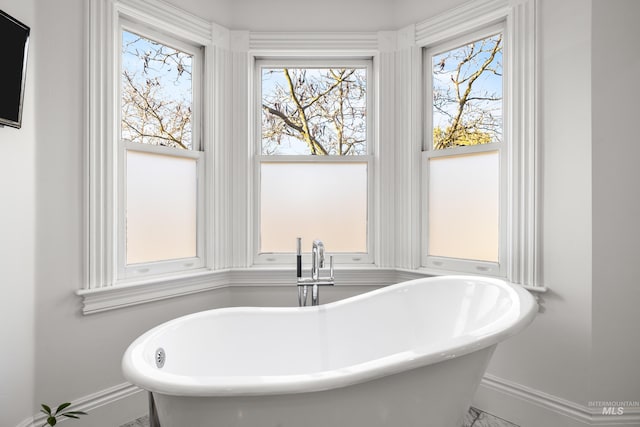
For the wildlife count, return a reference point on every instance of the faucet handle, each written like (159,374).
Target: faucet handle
(331,266)
(320,247)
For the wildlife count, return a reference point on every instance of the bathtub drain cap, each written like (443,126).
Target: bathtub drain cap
(160,357)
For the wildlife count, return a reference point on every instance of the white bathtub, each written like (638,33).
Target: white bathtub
(410,354)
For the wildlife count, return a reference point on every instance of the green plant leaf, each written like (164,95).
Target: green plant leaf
(63,406)
(47,410)
(70,416)
(75,413)
(52,421)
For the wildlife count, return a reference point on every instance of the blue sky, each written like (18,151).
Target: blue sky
(168,73)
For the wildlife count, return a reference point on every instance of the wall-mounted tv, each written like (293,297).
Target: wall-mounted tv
(14,44)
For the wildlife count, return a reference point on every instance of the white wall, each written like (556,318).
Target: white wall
(294,15)
(406,12)
(586,345)
(552,354)
(311,15)
(17,242)
(616,200)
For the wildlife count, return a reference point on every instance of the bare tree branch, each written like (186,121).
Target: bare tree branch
(326,110)
(156,80)
(471,115)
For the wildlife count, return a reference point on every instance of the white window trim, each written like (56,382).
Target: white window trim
(312,61)
(498,268)
(522,258)
(105,171)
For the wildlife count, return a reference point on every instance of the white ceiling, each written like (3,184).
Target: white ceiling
(315,15)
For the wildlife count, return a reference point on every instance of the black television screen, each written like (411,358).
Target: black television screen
(14,43)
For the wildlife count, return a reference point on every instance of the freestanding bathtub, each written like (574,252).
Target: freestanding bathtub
(406,355)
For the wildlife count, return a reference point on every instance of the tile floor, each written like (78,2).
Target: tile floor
(477,418)
(474,418)
(140,422)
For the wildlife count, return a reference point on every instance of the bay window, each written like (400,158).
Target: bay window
(409,152)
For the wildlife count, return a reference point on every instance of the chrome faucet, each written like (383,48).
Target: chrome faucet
(317,259)
(315,281)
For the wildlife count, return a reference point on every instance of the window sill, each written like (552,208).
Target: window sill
(408,274)
(139,292)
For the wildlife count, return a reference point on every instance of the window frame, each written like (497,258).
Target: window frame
(105,155)
(428,152)
(311,61)
(134,271)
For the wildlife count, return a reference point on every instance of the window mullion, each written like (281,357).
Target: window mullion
(158,149)
(313,159)
(470,149)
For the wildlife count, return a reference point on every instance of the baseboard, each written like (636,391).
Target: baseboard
(583,415)
(90,402)
(537,400)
